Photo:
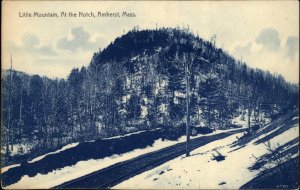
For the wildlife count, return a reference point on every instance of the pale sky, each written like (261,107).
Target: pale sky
(264,34)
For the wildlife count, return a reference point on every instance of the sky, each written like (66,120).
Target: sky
(263,34)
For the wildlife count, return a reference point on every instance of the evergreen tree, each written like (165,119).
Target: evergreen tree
(210,97)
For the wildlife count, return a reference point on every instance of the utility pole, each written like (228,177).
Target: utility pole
(186,61)
(187,109)
(249,117)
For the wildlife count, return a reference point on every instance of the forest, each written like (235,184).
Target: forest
(141,81)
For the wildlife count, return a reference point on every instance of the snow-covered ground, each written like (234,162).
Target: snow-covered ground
(55,152)
(4,169)
(197,171)
(82,168)
(68,146)
(126,135)
(200,171)
(18,149)
(242,120)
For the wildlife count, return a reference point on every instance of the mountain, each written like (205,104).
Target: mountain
(140,82)
(153,64)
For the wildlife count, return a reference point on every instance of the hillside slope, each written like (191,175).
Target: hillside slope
(233,162)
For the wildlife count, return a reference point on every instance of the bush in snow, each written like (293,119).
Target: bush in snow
(172,133)
(255,127)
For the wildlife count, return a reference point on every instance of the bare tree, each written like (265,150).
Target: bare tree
(186,60)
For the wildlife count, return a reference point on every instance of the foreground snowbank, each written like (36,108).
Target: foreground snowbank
(200,171)
(81,168)
(72,145)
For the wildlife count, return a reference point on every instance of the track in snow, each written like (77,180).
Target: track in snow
(112,175)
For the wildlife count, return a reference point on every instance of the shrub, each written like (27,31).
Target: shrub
(255,127)
(203,130)
(173,133)
(233,126)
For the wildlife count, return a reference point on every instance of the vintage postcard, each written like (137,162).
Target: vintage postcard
(150,95)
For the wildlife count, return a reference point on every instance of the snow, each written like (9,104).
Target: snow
(4,169)
(158,49)
(119,136)
(179,94)
(196,171)
(239,121)
(26,148)
(202,59)
(280,140)
(199,171)
(82,168)
(144,111)
(244,122)
(134,58)
(18,149)
(163,108)
(60,150)
(181,139)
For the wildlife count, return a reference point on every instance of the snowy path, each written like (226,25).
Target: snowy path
(119,172)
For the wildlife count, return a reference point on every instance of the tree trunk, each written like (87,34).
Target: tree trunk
(187,111)
(249,117)
(209,114)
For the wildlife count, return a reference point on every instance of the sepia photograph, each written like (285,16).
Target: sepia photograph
(150,95)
